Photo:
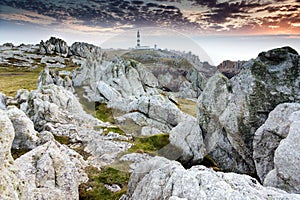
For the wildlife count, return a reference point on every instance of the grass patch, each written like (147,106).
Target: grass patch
(15,78)
(62,139)
(104,113)
(16,153)
(188,106)
(114,129)
(149,144)
(94,189)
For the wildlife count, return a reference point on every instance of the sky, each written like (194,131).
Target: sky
(216,30)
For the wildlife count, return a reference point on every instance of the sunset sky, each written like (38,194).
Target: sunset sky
(225,29)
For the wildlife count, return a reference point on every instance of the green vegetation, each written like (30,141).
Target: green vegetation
(104,113)
(15,78)
(62,139)
(16,153)
(95,188)
(149,144)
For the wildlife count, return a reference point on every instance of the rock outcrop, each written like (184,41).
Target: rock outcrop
(48,77)
(230,68)
(54,46)
(25,135)
(83,50)
(187,136)
(53,171)
(268,137)
(159,178)
(11,186)
(230,111)
(276,146)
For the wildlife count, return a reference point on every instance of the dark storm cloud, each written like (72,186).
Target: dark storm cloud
(222,11)
(108,13)
(179,14)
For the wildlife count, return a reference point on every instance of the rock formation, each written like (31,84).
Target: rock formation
(25,135)
(230,68)
(230,111)
(54,46)
(275,148)
(159,178)
(11,186)
(83,50)
(53,171)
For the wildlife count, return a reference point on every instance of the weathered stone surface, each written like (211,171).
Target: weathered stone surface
(268,137)
(53,169)
(187,136)
(11,186)
(25,135)
(160,178)
(2,101)
(54,104)
(287,159)
(83,50)
(48,77)
(230,111)
(135,159)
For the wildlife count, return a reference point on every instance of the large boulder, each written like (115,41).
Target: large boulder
(11,185)
(53,171)
(230,111)
(25,135)
(268,137)
(286,158)
(83,49)
(187,136)
(159,178)
(54,46)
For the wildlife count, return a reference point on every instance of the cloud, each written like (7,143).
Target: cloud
(191,15)
(19,15)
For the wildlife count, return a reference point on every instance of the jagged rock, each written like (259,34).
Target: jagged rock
(48,77)
(187,136)
(54,109)
(230,111)
(2,101)
(268,137)
(286,157)
(160,178)
(84,49)
(230,68)
(53,171)
(25,135)
(120,75)
(54,46)
(11,186)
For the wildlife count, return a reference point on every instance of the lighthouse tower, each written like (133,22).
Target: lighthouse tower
(138,42)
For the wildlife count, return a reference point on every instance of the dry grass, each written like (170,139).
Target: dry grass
(15,78)
(188,106)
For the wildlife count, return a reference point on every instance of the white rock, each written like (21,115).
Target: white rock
(268,136)
(187,136)
(160,178)
(53,169)
(25,135)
